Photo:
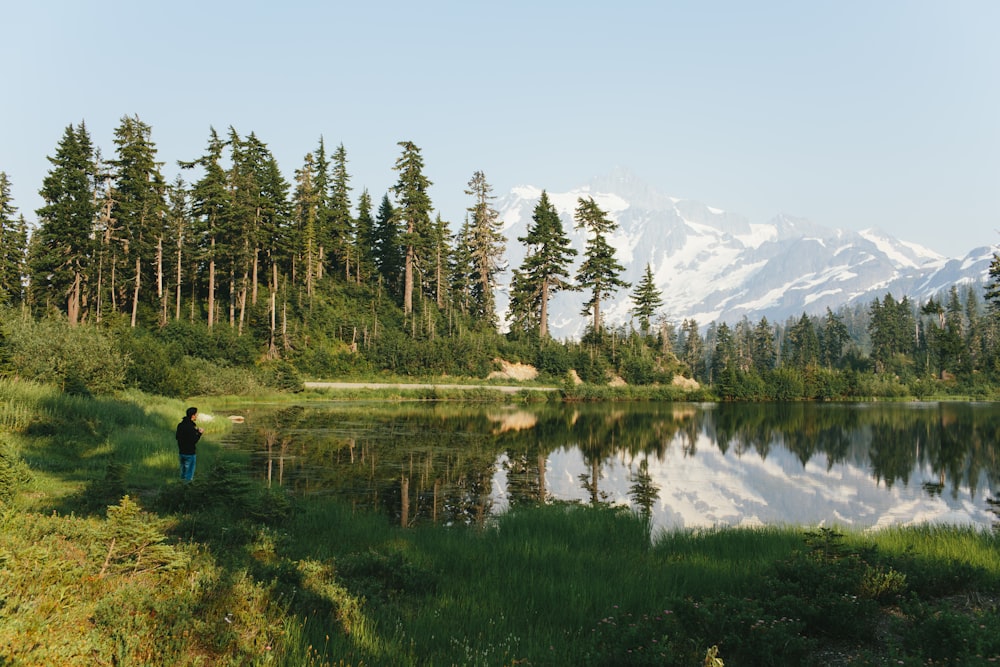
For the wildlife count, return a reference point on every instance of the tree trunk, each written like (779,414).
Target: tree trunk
(177,309)
(73,302)
(135,295)
(211,286)
(543,322)
(408,282)
(161,293)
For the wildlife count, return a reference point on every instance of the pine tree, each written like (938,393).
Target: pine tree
(693,348)
(646,299)
(341,224)
(801,348)
(442,250)
(834,336)
(600,271)
(763,353)
(415,215)
(486,246)
(140,205)
(63,245)
(992,287)
(364,239)
(210,207)
(179,226)
(388,249)
(320,183)
(544,271)
(461,268)
(13,247)
(307,200)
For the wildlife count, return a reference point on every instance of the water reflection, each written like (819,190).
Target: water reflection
(682,465)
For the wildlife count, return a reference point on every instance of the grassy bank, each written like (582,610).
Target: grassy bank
(106,559)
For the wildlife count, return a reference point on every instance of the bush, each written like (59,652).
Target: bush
(82,359)
(14,473)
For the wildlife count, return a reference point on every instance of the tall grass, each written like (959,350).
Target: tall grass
(226,572)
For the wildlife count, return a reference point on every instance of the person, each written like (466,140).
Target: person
(188,434)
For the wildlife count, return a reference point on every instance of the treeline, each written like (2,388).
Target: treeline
(240,268)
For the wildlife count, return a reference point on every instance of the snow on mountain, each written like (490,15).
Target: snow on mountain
(715,265)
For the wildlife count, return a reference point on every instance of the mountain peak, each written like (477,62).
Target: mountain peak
(711,264)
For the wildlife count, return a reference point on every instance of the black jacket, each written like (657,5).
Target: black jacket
(187,436)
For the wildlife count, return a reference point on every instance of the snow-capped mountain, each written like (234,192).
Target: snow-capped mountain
(715,265)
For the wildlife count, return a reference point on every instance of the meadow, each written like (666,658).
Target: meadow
(107,559)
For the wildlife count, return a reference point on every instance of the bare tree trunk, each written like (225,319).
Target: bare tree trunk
(180,244)
(73,302)
(161,293)
(135,295)
(408,282)
(253,285)
(232,299)
(543,324)
(211,286)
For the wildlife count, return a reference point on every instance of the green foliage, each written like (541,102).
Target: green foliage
(284,376)
(14,474)
(136,541)
(79,358)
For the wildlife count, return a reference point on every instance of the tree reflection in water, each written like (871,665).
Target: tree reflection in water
(678,464)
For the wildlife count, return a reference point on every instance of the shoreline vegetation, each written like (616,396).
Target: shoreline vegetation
(106,559)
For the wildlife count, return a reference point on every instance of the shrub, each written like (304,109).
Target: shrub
(82,359)
(14,473)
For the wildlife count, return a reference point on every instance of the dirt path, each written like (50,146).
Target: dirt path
(507,389)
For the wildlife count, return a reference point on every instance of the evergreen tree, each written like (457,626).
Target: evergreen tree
(243,225)
(210,208)
(724,354)
(140,203)
(441,242)
(307,201)
(952,352)
(388,249)
(179,226)
(341,224)
(646,299)
(319,176)
(64,246)
(13,247)
(801,348)
(834,337)
(992,287)
(763,353)
(486,246)
(272,216)
(414,214)
(600,271)
(693,351)
(461,268)
(365,239)
(544,271)
(892,329)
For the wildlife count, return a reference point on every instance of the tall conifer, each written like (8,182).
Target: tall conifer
(646,299)
(486,247)
(600,271)
(545,268)
(415,216)
(64,244)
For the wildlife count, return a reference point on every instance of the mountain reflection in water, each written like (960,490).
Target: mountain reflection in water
(682,465)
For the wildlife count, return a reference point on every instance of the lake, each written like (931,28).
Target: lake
(683,465)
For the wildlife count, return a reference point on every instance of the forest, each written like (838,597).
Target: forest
(239,279)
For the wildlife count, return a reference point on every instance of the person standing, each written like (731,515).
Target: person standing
(188,434)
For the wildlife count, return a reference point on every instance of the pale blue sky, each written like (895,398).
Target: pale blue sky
(850,113)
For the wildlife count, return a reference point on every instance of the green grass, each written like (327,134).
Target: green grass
(105,558)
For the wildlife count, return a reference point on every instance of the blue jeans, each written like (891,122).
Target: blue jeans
(187,467)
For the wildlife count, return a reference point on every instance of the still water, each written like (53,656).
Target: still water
(683,465)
